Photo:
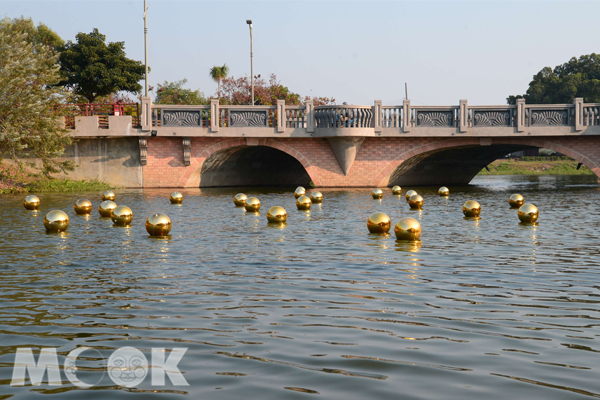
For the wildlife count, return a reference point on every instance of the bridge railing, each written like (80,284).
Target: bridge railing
(167,115)
(247,116)
(344,116)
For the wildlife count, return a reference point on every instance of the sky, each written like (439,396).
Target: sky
(354,51)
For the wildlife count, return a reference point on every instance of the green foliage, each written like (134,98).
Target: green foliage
(575,78)
(218,74)
(545,166)
(67,185)
(91,68)
(174,93)
(29,126)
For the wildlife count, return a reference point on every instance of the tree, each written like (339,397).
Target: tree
(575,78)
(174,93)
(218,74)
(29,125)
(92,69)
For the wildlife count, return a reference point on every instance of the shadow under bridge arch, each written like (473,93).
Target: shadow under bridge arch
(252,166)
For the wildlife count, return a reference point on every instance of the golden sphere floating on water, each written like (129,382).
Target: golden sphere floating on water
(109,195)
(409,194)
(528,213)
(82,207)
(176,198)
(516,200)
(300,191)
(379,223)
(396,190)
(444,191)
(158,225)
(316,197)
(471,209)
(408,229)
(415,202)
(377,193)
(252,204)
(303,203)
(122,215)
(31,202)
(56,221)
(240,200)
(106,208)
(276,215)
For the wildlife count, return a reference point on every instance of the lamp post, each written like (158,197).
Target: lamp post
(249,22)
(146,48)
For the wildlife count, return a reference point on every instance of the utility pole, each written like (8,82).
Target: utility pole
(406,90)
(249,22)
(146,47)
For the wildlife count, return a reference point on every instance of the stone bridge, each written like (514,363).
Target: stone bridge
(332,146)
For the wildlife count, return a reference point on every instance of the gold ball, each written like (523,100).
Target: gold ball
(122,215)
(276,215)
(109,195)
(303,203)
(176,198)
(158,225)
(300,191)
(316,197)
(408,229)
(56,221)
(240,200)
(409,194)
(31,202)
(252,204)
(444,191)
(516,200)
(528,213)
(415,202)
(471,209)
(396,190)
(379,223)
(377,193)
(106,208)
(82,206)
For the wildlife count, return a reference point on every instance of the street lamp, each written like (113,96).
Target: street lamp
(249,22)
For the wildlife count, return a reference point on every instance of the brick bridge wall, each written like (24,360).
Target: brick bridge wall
(377,159)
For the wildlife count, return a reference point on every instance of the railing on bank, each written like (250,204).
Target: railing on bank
(102,111)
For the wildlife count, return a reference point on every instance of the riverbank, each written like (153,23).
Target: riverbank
(536,166)
(14,181)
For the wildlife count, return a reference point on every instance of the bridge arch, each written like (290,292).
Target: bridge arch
(455,162)
(249,162)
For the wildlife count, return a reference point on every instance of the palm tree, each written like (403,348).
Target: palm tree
(218,73)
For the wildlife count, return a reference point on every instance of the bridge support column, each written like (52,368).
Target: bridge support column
(345,150)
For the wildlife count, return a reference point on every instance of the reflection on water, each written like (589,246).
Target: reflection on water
(317,306)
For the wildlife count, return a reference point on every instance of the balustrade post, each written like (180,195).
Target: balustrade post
(146,117)
(378,116)
(464,116)
(214,115)
(578,114)
(520,115)
(309,115)
(406,116)
(281,117)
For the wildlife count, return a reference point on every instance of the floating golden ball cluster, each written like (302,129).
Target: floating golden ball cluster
(303,203)
(528,213)
(408,229)
(471,209)
(176,198)
(252,204)
(83,207)
(240,200)
(444,191)
(122,216)
(379,223)
(158,225)
(300,191)
(109,195)
(415,202)
(377,193)
(516,200)
(409,194)
(396,190)
(316,197)
(56,221)
(106,208)
(31,202)
(276,215)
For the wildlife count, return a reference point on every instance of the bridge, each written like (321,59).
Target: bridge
(332,146)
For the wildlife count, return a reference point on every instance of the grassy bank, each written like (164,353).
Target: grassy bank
(536,166)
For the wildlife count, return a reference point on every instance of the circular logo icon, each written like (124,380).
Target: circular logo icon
(127,367)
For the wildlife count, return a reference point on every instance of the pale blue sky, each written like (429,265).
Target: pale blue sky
(357,52)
